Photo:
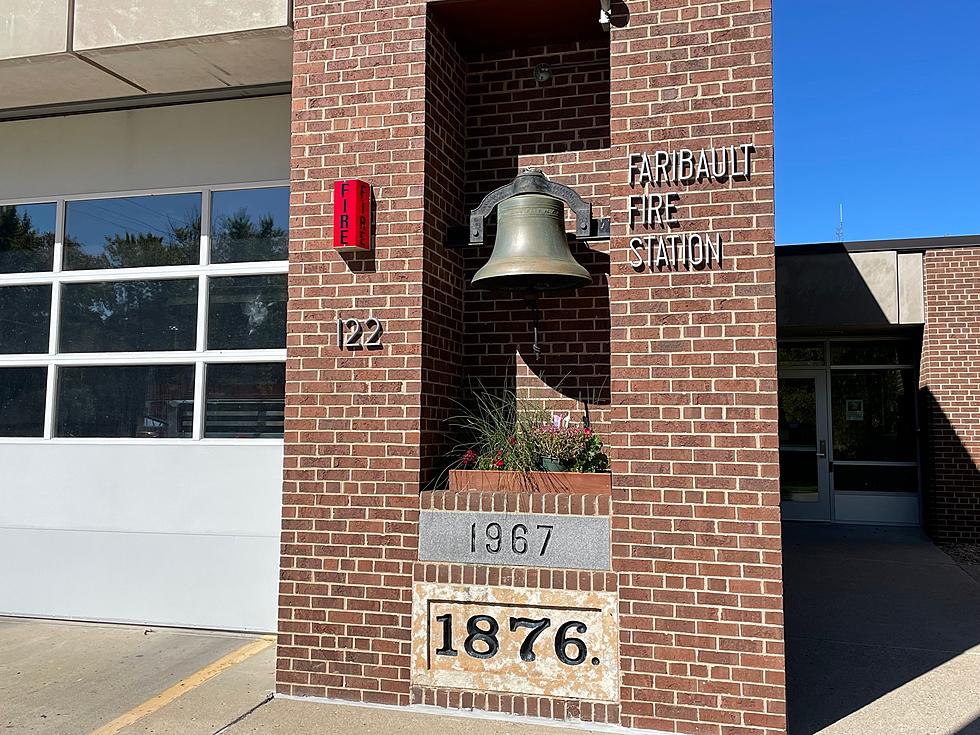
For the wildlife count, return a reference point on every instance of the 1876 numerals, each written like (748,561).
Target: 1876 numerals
(482,638)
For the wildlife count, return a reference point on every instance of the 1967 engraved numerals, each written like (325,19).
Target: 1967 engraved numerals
(518,538)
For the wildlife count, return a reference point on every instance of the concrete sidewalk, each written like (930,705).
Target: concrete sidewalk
(59,678)
(882,634)
(293,717)
(883,638)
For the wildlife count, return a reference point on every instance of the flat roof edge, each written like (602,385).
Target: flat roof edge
(902,245)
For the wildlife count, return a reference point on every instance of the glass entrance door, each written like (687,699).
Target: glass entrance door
(804,464)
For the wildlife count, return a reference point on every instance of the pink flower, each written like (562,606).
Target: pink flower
(587,431)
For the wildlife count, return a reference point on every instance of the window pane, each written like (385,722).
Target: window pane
(129,316)
(26,237)
(801,354)
(245,400)
(25,315)
(874,415)
(133,231)
(131,401)
(22,401)
(893,352)
(798,477)
(875,478)
(247,312)
(250,224)
(797,412)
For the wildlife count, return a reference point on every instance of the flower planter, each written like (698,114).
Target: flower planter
(490,481)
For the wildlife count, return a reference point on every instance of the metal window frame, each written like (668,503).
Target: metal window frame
(829,369)
(199,357)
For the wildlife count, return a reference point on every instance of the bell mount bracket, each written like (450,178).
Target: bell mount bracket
(531,181)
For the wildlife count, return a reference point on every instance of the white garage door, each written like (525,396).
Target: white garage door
(142,349)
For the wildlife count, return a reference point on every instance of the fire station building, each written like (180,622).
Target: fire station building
(213,415)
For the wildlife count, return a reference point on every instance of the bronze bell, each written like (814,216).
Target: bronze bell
(531,251)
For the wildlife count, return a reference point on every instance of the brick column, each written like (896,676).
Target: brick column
(696,539)
(352,456)
(950,381)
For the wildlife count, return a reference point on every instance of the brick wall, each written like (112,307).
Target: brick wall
(683,363)
(442,285)
(562,127)
(950,381)
(696,538)
(352,466)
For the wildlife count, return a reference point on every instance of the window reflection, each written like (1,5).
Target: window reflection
(874,415)
(247,312)
(245,400)
(22,401)
(250,225)
(25,315)
(27,237)
(133,401)
(129,316)
(129,232)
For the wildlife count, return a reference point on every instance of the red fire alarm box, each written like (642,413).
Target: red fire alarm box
(351,215)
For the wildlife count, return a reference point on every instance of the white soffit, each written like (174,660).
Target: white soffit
(127,48)
(209,62)
(55,78)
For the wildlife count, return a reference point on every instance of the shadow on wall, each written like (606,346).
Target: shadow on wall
(573,360)
(955,514)
(561,124)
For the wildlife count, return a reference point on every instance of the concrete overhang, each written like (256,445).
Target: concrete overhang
(864,285)
(57,52)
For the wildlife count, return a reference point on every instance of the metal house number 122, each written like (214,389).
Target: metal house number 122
(352,334)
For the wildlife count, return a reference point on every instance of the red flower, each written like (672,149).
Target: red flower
(587,431)
(469,458)
(499,463)
(513,441)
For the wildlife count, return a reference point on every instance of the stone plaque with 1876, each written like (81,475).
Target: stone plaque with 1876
(560,643)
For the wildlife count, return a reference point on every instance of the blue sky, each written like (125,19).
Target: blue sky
(877,107)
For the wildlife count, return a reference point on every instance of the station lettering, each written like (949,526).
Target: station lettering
(666,247)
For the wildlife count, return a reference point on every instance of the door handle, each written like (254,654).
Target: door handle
(822,449)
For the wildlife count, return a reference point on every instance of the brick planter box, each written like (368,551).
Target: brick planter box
(490,481)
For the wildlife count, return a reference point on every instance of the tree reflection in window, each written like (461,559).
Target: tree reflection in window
(26,238)
(247,312)
(24,319)
(129,316)
(250,225)
(132,232)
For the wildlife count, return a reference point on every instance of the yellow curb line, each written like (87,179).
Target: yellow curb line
(184,685)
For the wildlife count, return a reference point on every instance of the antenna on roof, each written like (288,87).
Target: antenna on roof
(840,226)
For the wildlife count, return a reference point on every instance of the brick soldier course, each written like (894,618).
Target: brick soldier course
(678,365)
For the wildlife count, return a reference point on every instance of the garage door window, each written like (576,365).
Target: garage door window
(145,315)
